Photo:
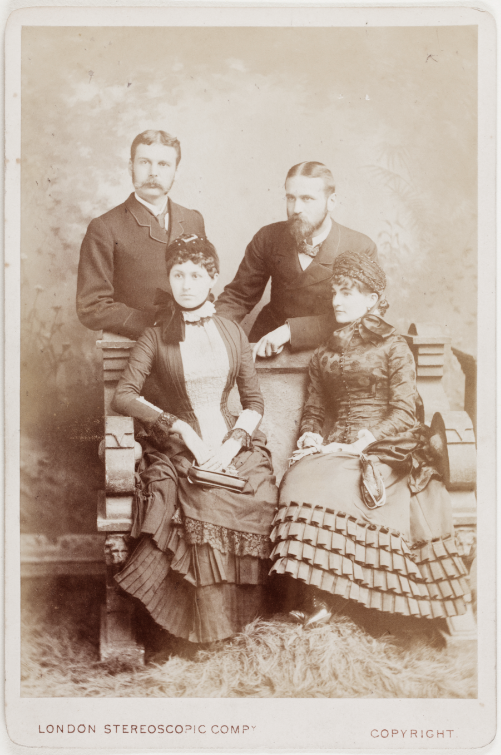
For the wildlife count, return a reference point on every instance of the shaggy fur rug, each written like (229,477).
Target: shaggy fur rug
(273,658)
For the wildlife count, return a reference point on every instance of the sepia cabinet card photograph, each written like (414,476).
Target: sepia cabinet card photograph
(250,274)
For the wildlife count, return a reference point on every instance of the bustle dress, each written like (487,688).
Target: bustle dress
(399,558)
(201,559)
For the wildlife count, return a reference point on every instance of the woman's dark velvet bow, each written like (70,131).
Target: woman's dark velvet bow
(371,327)
(169,317)
(411,453)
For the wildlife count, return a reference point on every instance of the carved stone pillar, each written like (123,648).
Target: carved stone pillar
(454,437)
(116,351)
(117,635)
(453,434)
(427,343)
(466,539)
(283,380)
(119,452)
(469,366)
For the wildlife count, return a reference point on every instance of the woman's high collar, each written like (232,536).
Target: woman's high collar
(370,327)
(207,309)
(171,318)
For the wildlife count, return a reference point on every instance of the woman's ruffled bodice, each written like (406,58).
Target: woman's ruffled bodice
(364,376)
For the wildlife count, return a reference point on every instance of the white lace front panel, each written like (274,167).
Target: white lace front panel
(206,367)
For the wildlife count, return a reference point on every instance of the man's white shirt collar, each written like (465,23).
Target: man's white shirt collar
(151,207)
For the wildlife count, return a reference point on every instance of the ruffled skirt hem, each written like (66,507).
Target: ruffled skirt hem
(368,563)
(195,592)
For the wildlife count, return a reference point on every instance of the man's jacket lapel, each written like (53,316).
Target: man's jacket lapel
(176,220)
(321,267)
(144,218)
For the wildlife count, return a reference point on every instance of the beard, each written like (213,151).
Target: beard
(301,229)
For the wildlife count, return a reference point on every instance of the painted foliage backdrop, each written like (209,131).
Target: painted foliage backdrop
(393,112)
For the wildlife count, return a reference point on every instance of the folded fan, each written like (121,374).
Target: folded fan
(372,484)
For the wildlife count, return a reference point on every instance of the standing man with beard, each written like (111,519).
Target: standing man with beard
(297,254)
(122,258)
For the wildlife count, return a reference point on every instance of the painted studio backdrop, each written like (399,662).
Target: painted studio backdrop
(392,112)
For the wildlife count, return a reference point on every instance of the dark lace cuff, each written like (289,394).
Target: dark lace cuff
(165,422)
(238,433)
(160,430)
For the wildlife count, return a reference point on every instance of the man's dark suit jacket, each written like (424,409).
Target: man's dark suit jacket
(122,263)
(303,298)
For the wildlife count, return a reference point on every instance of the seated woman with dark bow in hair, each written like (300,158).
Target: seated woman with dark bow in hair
(363,514)
(201,559)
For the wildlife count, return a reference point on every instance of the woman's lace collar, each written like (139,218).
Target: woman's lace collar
(205,312)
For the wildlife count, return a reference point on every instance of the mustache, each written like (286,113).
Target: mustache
(151,185)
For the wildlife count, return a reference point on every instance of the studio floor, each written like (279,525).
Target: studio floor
(347,657)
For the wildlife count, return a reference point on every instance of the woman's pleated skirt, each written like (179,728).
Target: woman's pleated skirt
(200,581)
(399,558)
(225,595)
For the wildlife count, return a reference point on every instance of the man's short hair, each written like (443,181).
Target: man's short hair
(156,137)
(314,170)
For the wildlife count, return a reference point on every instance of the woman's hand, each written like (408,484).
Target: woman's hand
(308,443)
(308,440)
(192,441)
(223,457)
(300,453)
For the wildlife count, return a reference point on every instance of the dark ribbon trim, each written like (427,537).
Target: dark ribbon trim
(409,453)
(170,316)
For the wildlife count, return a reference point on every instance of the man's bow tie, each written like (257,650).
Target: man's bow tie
(310,250)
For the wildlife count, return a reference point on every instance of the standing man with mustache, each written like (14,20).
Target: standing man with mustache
(122,258)
(297,254)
